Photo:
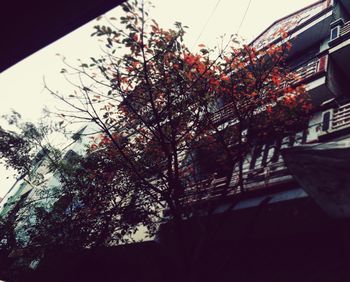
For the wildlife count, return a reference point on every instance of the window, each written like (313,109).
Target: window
(335,31)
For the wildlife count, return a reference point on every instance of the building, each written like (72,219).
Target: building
(291,223)
(27,187)
(40,188)
(319,35)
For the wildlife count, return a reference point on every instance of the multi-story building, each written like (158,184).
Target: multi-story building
(296,202)
(320,56)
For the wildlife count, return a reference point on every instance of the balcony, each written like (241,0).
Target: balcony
(340,45)
(208,189)
(312,74)
(339,32)
(310,69)
(253,180)
(224,114)
(263,169)
(335,121)
(345,30)
(265,176)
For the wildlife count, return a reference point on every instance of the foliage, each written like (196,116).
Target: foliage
(14,150)
(97,205)
(161,106)
(21,141)
(158,107)
(155,101)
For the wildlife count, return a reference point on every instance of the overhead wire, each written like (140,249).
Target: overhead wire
(244,17)
(208,20)
(212,14)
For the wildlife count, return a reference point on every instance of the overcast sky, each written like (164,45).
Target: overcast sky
(21,86)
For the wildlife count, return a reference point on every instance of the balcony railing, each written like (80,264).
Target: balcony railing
(310,69)
(303,73)
(341,117)
(335,120)
(254,179)
(345,29)
(339,31)
(226,112)
(208,189)
(262,169)
(265,176)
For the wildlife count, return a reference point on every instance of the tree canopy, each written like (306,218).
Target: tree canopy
(160,107)
(157,103)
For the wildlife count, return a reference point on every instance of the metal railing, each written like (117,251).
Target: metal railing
(340,118)
(263,168)
(345,29)
(204,190)
(339,31)
(302,73)
(254,179)
(334,120)
(266,176)
(306,71)
(226,112)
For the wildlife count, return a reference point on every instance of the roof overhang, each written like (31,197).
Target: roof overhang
(292,23)
(322,170)
(28,26)
(346,4)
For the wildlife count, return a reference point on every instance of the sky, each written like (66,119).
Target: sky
(21,86)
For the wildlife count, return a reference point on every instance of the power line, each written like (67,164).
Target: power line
(244,16)
(209,18)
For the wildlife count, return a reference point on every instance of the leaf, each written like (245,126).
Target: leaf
(125,8)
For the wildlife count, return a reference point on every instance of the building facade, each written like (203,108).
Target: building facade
(320,56)
(292,222)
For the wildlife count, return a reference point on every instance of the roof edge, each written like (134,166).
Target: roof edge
(285,17)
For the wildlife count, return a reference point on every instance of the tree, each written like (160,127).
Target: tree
(64,202)
(22,149)
(157,105)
